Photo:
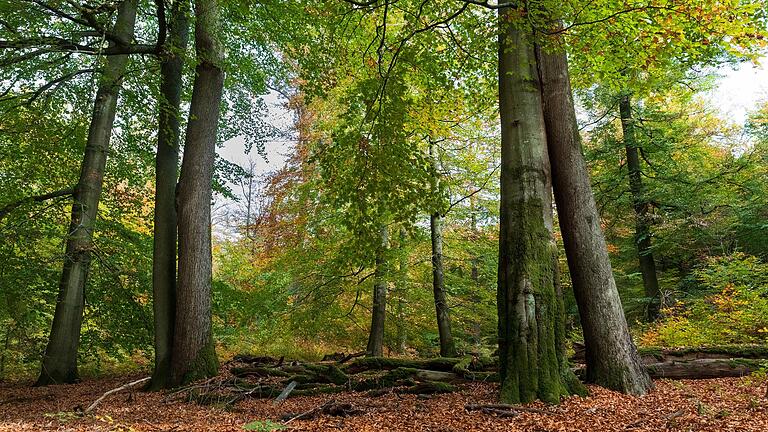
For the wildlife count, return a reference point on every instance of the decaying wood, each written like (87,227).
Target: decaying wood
(507,407)
(331,408)
(286,392)
(265,377)
(113,391)
(703,368)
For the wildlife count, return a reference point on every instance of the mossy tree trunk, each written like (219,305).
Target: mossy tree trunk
(166,169)
(375,346)
(447,346)
(60,359)
(531,359)
(641,206)
(193,350)
(612,358)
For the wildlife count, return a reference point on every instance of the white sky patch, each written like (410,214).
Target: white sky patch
(740,90)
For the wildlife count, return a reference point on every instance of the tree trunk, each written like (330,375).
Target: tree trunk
(402,290)
(166,168)
(193,350)
(379,310)
(447,347)
(531,360)
(477,336)
(641,206)
(60,360)
(612,359)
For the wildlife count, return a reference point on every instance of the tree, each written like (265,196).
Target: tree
(642,208)
(447,346)
(60,359)
(375,346)
(166,169)
(531,332)
(612,359)
(194,355)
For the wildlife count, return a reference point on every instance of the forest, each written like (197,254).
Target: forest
(365,215)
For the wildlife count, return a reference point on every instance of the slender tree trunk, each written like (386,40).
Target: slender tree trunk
(612,359)
(531,355)
(166,168)
(641,206)
(402,289)
(193,349)
(60,360)
(447,347)
(477,336)
(379,310)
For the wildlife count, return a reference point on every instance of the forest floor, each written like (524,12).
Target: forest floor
(727,404)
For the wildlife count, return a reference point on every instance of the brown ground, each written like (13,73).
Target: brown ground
(730,404)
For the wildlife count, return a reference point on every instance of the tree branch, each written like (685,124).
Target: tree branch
(37,198)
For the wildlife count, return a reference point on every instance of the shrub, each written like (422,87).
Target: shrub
(730,306)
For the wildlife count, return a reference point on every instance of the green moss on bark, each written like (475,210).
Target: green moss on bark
(205,365)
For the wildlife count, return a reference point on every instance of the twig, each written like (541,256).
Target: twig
(119,389)
(310,413)
(506,407)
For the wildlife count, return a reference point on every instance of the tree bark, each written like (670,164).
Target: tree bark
(166,169)
(641,207)
(532,364)
(375,346)
(60,359)
(612,358)
(194,356)
(447,346)
(402,290)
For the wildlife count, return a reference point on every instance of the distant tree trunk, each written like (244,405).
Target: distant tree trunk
(193,349)
(477,336)
(402,289)
(379,310)
(166,168)
(641,206)
(612,359)
(531,356)
(60,360)
(447,347)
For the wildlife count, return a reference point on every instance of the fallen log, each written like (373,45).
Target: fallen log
(696,369)
(650,355)
(704,368)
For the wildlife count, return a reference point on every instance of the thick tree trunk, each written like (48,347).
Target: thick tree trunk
(612,359)
(447,347)
(532,364)
(166,168)
(375,346)
(641,206)
(60,360)
(193,350)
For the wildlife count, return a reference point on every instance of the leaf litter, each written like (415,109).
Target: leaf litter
(725,404)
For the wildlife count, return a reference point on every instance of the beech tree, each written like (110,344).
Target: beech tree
(531,333)
(612,359)
(60,359)
(193,354)
(166,169)
(447,346)
(375,345)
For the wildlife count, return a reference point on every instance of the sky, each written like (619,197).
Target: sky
(738,91)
